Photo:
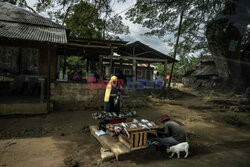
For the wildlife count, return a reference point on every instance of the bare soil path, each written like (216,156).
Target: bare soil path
(46,140)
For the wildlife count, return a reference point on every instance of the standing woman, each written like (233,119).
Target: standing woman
(112,96)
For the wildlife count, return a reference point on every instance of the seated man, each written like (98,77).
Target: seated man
(171,133)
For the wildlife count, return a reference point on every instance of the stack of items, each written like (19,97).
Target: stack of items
(112,115)
(144,124)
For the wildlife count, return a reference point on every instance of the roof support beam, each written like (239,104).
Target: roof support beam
(140,58)
(107,43)
(139,54)
(90,46)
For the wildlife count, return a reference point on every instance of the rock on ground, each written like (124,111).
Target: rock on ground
(70,162)
(106,154)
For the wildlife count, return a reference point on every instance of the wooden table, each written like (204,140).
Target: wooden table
(121,151)
(40,79)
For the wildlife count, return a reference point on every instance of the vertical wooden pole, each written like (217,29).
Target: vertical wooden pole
(148,72)
(48,79)
(134,68)
(175,49)
(111,62)
(100,70)
(134,64)
(121,68)
(19,61)
(42,91)
(165,73)
(64,63)
(100,63)
(87,65)
(58,64)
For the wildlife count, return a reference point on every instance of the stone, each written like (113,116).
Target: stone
(70,162)
(106,154)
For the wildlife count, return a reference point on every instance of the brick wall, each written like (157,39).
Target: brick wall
(132,98)
(73,95)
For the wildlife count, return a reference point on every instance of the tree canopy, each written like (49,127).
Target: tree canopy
(161,17)
(88,19)
(84,21)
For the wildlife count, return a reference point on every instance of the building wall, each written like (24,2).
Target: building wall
(19,60)
(33,61)
(43,62)
(75,95)
(132,98)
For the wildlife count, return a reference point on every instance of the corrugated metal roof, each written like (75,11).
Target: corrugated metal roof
(35,33)
(19,23)
(10,12)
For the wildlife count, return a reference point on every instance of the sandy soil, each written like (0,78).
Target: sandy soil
(46,140)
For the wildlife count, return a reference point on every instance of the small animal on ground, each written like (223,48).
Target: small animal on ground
(178,148)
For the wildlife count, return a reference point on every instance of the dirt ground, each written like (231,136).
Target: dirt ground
(217,124)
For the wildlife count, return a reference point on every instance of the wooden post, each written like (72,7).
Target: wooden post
(175,49)
(42,91)
(134,64)
(148,72)
(58,64)
(100,63)
(111,62)
(48,79)
(64,63)
(165,73)
(19,61)
(100,70)
(87,66)
(121,68)
(134,68)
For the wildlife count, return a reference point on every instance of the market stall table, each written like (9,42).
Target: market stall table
(137,136)
(121,151)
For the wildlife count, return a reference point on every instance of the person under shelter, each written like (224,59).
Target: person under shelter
(112,96)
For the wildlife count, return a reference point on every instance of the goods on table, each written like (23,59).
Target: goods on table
(133,134)
(118,129)
(110,115)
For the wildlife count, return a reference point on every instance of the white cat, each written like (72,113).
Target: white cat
(178,148)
